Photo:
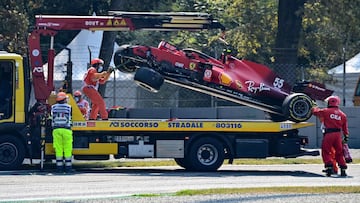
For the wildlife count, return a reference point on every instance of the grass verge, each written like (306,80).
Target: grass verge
(306,190)
(262,190)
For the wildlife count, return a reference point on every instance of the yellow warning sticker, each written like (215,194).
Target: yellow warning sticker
(116,23)
(109,23)
(123,22)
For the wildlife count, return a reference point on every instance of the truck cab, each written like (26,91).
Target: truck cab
(9,83)
(14,100)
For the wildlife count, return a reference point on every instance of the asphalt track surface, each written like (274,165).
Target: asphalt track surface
(121,184)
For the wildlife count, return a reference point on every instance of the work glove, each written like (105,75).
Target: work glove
(346,138)
(110,69)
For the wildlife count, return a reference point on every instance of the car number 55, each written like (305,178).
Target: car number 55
(278,83)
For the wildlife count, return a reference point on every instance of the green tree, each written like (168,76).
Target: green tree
(254,28)
(329,26)
(250,27)
(290,13)
(14,24)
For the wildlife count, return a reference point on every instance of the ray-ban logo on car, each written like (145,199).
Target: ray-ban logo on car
(254,89)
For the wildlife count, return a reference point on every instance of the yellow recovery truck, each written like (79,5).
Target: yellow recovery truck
(195,144)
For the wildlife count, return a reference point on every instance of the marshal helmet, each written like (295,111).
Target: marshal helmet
(61,96)
(96,61)
(333,101)
(77,93)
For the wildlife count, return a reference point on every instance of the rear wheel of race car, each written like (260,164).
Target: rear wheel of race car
(206,154)
(148,79)
(12,152)
(297,107)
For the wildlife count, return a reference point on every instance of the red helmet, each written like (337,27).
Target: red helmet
(77,93)
(333,101)
(96,61)
(61,96)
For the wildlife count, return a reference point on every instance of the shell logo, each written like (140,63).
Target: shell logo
(207,75)
(225,79)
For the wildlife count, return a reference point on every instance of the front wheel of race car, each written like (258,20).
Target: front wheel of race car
(148,79)
(297,107)
(124,59)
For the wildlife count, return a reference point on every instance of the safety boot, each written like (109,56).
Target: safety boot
(343,173)
(333,172)
(59,169)
(329,170)
(69,170)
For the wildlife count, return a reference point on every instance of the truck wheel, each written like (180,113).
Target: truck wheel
(12,152)
(183,162)
(148,79)
(206,154)
(297,107)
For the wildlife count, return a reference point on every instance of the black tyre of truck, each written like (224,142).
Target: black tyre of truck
(12,152)
(206,154)
(149,79)
(183,162)
(297,107)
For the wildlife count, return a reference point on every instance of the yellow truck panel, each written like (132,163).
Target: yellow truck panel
(193,125)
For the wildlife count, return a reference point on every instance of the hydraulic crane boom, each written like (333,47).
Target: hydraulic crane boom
(49,25)
(125,21)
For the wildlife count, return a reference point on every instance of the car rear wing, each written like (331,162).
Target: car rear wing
(315,90)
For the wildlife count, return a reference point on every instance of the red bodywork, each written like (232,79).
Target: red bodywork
(240,81)
(240,75)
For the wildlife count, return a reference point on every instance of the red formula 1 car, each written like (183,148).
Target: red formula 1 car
(232,79)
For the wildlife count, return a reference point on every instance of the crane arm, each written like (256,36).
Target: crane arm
(49,25)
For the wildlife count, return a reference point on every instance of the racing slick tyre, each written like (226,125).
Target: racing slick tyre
(123,59)
(297,107)
(206,154)
(12,152)
(148,79)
